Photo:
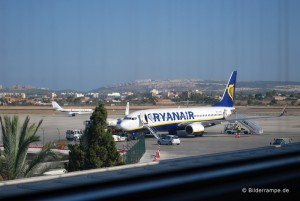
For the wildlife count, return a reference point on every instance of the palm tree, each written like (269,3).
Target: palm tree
(16,141)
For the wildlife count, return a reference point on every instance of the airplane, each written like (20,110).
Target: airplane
(193,120)
(115,122)
(71,112)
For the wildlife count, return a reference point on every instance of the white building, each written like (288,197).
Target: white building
(53,96)
(114,95)
(154,92)
(79,95)
(23,95)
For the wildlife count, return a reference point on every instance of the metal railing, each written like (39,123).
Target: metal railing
(251,125)
(151,128)
(136,150)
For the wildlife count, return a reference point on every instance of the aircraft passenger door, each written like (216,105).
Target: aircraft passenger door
(143,118)
(226,113)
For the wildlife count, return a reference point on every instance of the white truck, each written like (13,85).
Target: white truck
(74,134)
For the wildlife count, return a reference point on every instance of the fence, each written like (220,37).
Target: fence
(136,150)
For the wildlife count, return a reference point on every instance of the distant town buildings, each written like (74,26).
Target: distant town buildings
(279,97)
(173,94)
(93,95)
(113,95)
(161,93)
(53,96)
(155,92)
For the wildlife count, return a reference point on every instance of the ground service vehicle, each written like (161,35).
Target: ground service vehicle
(233,129)
(118,138)
(123,137)
(169,139)
(74,134)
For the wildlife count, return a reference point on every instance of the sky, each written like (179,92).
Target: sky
(87,44)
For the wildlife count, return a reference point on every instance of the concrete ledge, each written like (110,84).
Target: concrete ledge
(72,174)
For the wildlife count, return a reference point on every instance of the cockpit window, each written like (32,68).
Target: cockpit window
(130,118)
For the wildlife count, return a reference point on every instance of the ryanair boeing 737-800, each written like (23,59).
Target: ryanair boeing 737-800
(192,120)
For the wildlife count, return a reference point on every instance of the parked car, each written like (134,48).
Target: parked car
(123,137)
(279,142)
(74,134)
(117,138)
(169,139)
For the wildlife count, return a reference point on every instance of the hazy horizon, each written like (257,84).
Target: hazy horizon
(85,45)
(209,82)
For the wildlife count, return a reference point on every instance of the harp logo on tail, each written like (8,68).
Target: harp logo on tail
(230,91)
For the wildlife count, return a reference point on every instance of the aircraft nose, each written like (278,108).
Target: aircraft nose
(123,125)
(119,124)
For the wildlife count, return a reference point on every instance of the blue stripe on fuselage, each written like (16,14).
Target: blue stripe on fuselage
(165,127)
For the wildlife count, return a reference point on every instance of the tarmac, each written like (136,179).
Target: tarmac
(214,146)
(215,141)
(56,124)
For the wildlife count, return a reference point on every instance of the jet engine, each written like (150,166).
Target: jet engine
(194,128)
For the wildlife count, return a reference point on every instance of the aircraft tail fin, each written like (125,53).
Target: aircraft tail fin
(228,95)
(283,111)
(56,106)
(127,109)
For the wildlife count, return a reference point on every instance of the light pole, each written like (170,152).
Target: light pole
(43,136)
(58,134)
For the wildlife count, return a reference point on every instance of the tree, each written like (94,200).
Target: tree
(97,147)
(16,141)
(273,101)
(259,96)
(271,94)
(76,158)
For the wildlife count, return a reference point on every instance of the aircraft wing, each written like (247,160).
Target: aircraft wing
(244,117)
(240,117)
(73,113)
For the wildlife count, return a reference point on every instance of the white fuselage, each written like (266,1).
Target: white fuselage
(171,118)
(77,111)
(57,107)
